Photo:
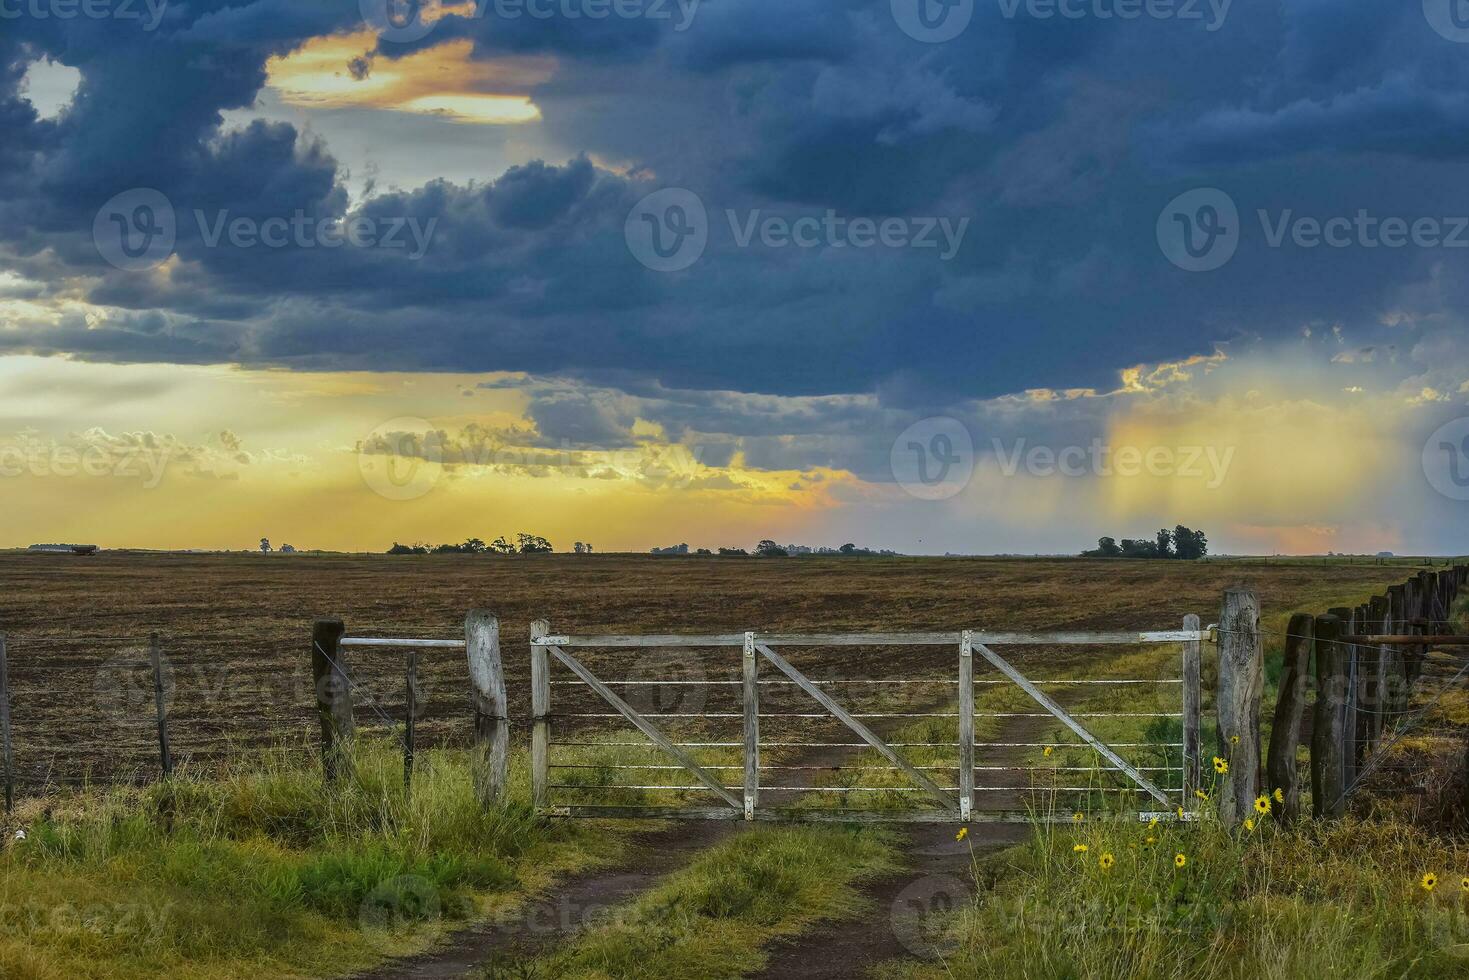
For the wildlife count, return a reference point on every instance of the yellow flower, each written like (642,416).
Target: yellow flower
(1180,813)
(1179,860)
(1249,823)
(1106,862)
(963,833)
(1234,740)
(1152,840)
(1464,884)
(1279,795)
(1047,752)
(1078,848)
(1220,766)
(1077,817)
(1201,794)
(1262,805)
(1152,823)
(1428,881)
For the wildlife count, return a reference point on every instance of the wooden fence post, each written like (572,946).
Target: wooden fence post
(1377,613)
(1241,686)
(1349,694)
(155,657)
(1193,766)
(1285,736)
(491,718)
(751,673)
(540,709)
(5,747)
(1397,614)
(410,720)
(1326,732)
(333,697)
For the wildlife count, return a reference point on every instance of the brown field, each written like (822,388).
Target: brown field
(236,628)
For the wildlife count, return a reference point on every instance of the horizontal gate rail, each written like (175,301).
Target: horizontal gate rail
(1113,638)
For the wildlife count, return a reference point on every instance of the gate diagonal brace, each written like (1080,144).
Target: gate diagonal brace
(1041,699)
(648,728)
(928,785)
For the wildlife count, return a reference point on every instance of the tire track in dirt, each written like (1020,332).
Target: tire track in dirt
(906,911)
(560,912)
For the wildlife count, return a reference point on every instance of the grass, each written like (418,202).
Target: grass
(261,871)
(713,918)
(1338,900)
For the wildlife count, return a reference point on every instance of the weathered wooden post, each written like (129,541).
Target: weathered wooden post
(1290,706)
(1381,659)
(1348,705)
(491,753)
(155,657)
(1193,767)
(1327,771)
(1241,686)
(5,747)
(540,708)
(751,675)
(410,720)
(333,697)
(1397,615)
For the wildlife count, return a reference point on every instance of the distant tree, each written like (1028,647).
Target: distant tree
(579,548)
(533,544)
(769,549)
(287,549)
(500,546)
(734,552)
(848,549)
(1139,549)
(589,547)
(403,549)
(675,549)
(265,545)
(1165,543)
(703,551)
(475,546)
(1189,544)
(1106,548)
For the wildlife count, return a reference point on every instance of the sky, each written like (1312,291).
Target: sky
(969,276)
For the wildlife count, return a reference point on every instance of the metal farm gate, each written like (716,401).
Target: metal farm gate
(788,743)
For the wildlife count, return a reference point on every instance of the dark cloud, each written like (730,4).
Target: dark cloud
(1058,142)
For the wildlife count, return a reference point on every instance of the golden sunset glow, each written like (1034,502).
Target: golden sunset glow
(341,72)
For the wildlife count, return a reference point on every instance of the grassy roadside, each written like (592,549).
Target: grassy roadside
(263,872)
(711,919)
(1374,897)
